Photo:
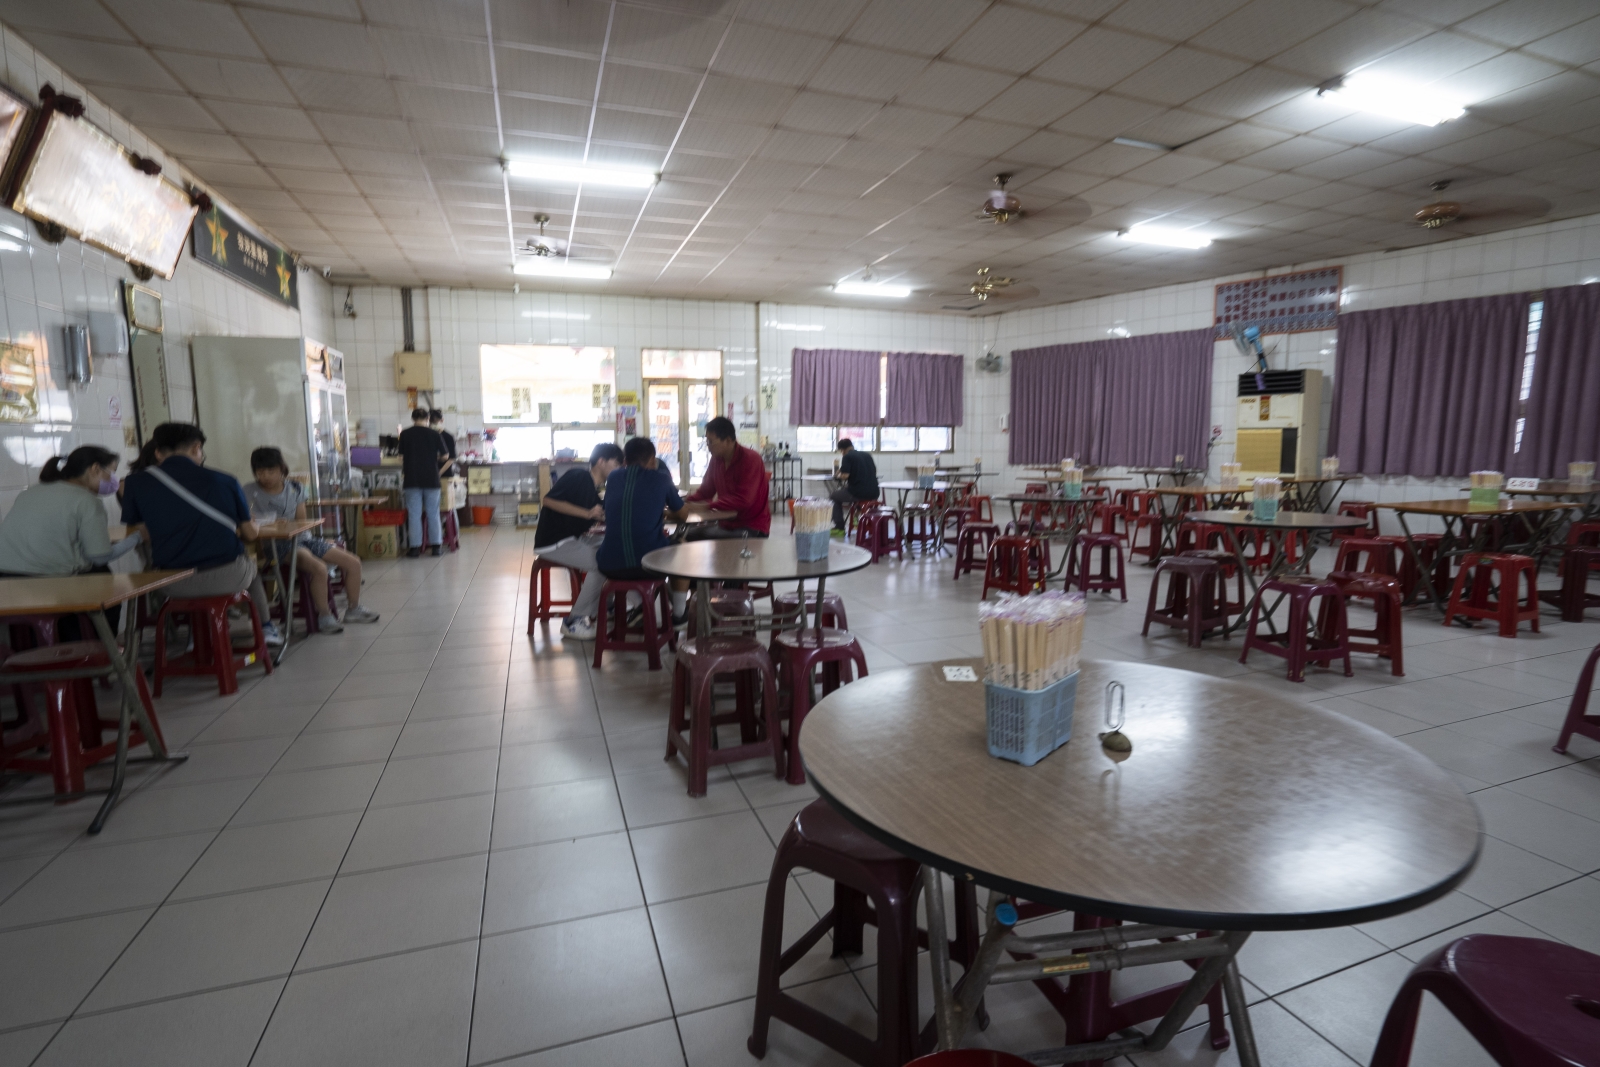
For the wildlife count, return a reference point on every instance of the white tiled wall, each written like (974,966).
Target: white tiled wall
(46,287)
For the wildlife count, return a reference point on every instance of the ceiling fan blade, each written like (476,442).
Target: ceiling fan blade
(1486,207)
(1015,292)
(958,307)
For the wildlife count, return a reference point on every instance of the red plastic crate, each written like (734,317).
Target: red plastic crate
(383,518)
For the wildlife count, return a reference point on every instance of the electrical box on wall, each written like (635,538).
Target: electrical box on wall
(1280,423)
(413,370)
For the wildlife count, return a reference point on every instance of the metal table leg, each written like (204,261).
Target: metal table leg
(123,664)
(288,596)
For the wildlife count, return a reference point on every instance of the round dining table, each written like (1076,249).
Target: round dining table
(1276,532)
(754,559)
(1236,811)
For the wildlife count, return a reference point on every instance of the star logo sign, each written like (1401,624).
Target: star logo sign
(283,278)
(219,236)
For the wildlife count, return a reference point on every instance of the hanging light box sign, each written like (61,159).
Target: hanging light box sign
(1280,303)
(81,179)
(14,113)
(221,242)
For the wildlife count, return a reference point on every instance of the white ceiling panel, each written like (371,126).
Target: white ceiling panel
(938,23)
(1100,57)
(952,87)
(322,90)
(764,54)
(129,65)
(165,109)
(247,120)
(814,112)
(1173,20)
(228,78)
(1014,39)
(314,42)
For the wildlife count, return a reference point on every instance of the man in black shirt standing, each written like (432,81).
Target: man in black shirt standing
(422,457)
(860,477)
(568,511)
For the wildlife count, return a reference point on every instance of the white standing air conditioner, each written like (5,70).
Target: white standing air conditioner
(1280,424)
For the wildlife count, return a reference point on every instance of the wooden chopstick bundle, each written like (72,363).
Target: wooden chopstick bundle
(812,515)
(1031,642)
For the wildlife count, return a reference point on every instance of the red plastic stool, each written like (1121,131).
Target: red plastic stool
(1385,593)
(1527,1001)
(1479,568)
(1104,580)
(798,653)
(1359,509)
(1201,536)
(1578,720)
(1379,555)
(1228,567)
(972,546)
(880,533)
(1196,598)
(981,507)
(1574,597)
(1428,546)
(726,604)
(699,662)
(864,873)
(1297,643)
(213,653)
(1144,514)
(853,517)
(1106,515)
(919,528)
(612,632)
(542,603)
(1584,535)
(1015,565)
(833,613)
(75,728)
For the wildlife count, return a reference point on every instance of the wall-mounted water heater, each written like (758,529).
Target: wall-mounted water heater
(1280,423)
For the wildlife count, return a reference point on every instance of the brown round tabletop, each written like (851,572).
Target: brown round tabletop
(771,559)
(1236,809)
(1286,520)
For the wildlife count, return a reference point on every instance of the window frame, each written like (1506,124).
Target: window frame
(836,432)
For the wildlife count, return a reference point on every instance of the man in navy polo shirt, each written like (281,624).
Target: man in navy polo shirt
(196,517)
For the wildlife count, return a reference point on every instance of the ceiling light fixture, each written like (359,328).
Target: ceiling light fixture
(551,267)
(871,289)
(581,174)
(1161,235)
(1392,99)
(1134,142)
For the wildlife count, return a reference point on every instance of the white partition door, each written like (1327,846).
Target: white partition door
(250,392)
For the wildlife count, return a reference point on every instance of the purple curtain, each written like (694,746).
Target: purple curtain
(1428,389)
(924,389)
(1133,401)
(1564,406)
(834,386)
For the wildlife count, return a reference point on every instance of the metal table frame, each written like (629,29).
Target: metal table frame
(1453,544)
(287,586)
(123,663)
(1278,561)
(1071,516)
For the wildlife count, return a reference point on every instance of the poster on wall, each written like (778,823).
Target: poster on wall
(19,384)
(1283,303)
(221,242)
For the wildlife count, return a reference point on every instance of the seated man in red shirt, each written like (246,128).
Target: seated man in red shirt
(736,481)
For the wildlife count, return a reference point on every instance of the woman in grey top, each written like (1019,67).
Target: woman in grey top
(60,526)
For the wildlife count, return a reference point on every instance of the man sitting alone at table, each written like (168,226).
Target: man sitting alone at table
(196,517)
(860,477)
(566,516)
(637,497)
(736,481)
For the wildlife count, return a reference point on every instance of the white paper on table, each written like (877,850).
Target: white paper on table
(960,674)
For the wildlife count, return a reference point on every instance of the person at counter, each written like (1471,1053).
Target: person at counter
(196,518)
(422,458)
(860,477)
(566,517)
(637,496)
(736,481)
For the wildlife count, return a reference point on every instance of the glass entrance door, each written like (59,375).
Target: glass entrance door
(678,413)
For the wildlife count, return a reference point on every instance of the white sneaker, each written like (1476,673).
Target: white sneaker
(579,630)
(360,613)
(329,624)
(270,631)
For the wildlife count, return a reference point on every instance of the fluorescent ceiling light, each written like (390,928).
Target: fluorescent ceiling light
(556,267)
(1161,235)
(582,174)
(1395,100)
(871,289)
(576,316)
(1134,142)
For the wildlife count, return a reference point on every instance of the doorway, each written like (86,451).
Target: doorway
(678,413)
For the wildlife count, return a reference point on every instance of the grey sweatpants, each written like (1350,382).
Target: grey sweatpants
(235,577)
(579,552)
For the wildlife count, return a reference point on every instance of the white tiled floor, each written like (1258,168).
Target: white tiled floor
(436,841)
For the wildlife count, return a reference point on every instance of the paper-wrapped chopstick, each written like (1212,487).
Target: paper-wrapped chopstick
(1031,642)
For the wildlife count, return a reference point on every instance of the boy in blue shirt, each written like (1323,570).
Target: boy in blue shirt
(637,496)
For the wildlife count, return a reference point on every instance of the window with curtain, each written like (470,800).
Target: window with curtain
(1429,390)
(1133,401)
(898,392)
(1563,401)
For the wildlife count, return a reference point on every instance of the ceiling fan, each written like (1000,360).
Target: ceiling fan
(543,245)
(1494,212)
(987,288)
(1002,208)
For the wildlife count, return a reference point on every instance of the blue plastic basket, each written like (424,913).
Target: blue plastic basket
(811,546)
(1265,510)
(1026,725)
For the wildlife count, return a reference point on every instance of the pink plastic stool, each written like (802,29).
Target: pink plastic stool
(655,627)
(700,661)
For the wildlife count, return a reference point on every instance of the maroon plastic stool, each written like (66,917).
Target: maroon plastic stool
(880,533)
(1143,513)
(655,624)
(1584,535)
(726,605)
(1505,607)
(1578,720)
(853,517)
(1199,536)
(1574,597)
(213,653)
(1297,643)
(1380,555)
(1428,546)
(1196,597)
(798,653)
(1359,509)
(864,873)
(75,728)
(1228,566)
(920,528)
(972,546)
(1527,1001)
(833,613)
(1015,565)
(542,603)
(699,662)
(1386,596)
(1080,575)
